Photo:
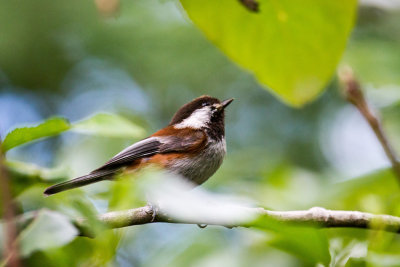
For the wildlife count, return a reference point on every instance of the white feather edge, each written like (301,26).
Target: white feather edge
(137,144)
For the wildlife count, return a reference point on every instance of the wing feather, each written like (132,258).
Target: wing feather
(142,149)
(183,143)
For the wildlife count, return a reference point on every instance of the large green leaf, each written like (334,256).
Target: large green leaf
(48,230)
(109,125)
(24,135)
(291,46)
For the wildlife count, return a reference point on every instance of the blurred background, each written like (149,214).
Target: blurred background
(143,60)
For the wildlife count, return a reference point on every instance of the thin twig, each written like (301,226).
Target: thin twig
(314,217)
(354,95)
(10,229)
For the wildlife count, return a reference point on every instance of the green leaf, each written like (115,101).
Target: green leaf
(29,170)
(292,47)
(20,136)
(308,244)
(48,230)
(375,192)
(109,125)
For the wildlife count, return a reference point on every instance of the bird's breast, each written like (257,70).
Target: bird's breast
(201,166)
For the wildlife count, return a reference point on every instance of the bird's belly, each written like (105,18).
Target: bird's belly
(201,167)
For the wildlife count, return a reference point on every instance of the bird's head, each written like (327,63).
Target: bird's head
(203,112)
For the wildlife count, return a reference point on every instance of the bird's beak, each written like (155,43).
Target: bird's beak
(226,102)
(221,106)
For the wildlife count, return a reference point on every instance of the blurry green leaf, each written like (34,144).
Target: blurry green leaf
(34,171)
(20,136)
(376,192)
(292,47)
(377,32)
(74,203)
(48,230)
(348,250)
(32,199)
(99,251)
(356,262)
(109,125)
(124,193)
(309,244)
(92,226)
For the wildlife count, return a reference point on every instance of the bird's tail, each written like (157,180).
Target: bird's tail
(80,181)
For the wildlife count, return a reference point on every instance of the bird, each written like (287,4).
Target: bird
(192,145)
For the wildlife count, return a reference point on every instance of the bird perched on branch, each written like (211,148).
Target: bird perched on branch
(192,145)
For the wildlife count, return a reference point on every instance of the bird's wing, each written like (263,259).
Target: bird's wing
(154,145)
(142,149)
(184,142)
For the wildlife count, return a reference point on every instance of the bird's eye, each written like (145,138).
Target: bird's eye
(204,104)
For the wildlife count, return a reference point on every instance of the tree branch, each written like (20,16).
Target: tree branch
(314,217)
(354,95)
(11,245)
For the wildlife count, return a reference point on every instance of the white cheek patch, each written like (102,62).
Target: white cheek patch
(197,120)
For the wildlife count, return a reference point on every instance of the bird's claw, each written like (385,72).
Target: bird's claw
(202,226)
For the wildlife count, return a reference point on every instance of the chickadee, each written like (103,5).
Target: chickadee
(192,145)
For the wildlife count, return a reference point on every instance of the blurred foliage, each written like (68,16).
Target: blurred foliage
(378,32)
(32,171)
(109,126)
(310,245)
(143,62)
(292,47)
(47,230)
(100,124)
